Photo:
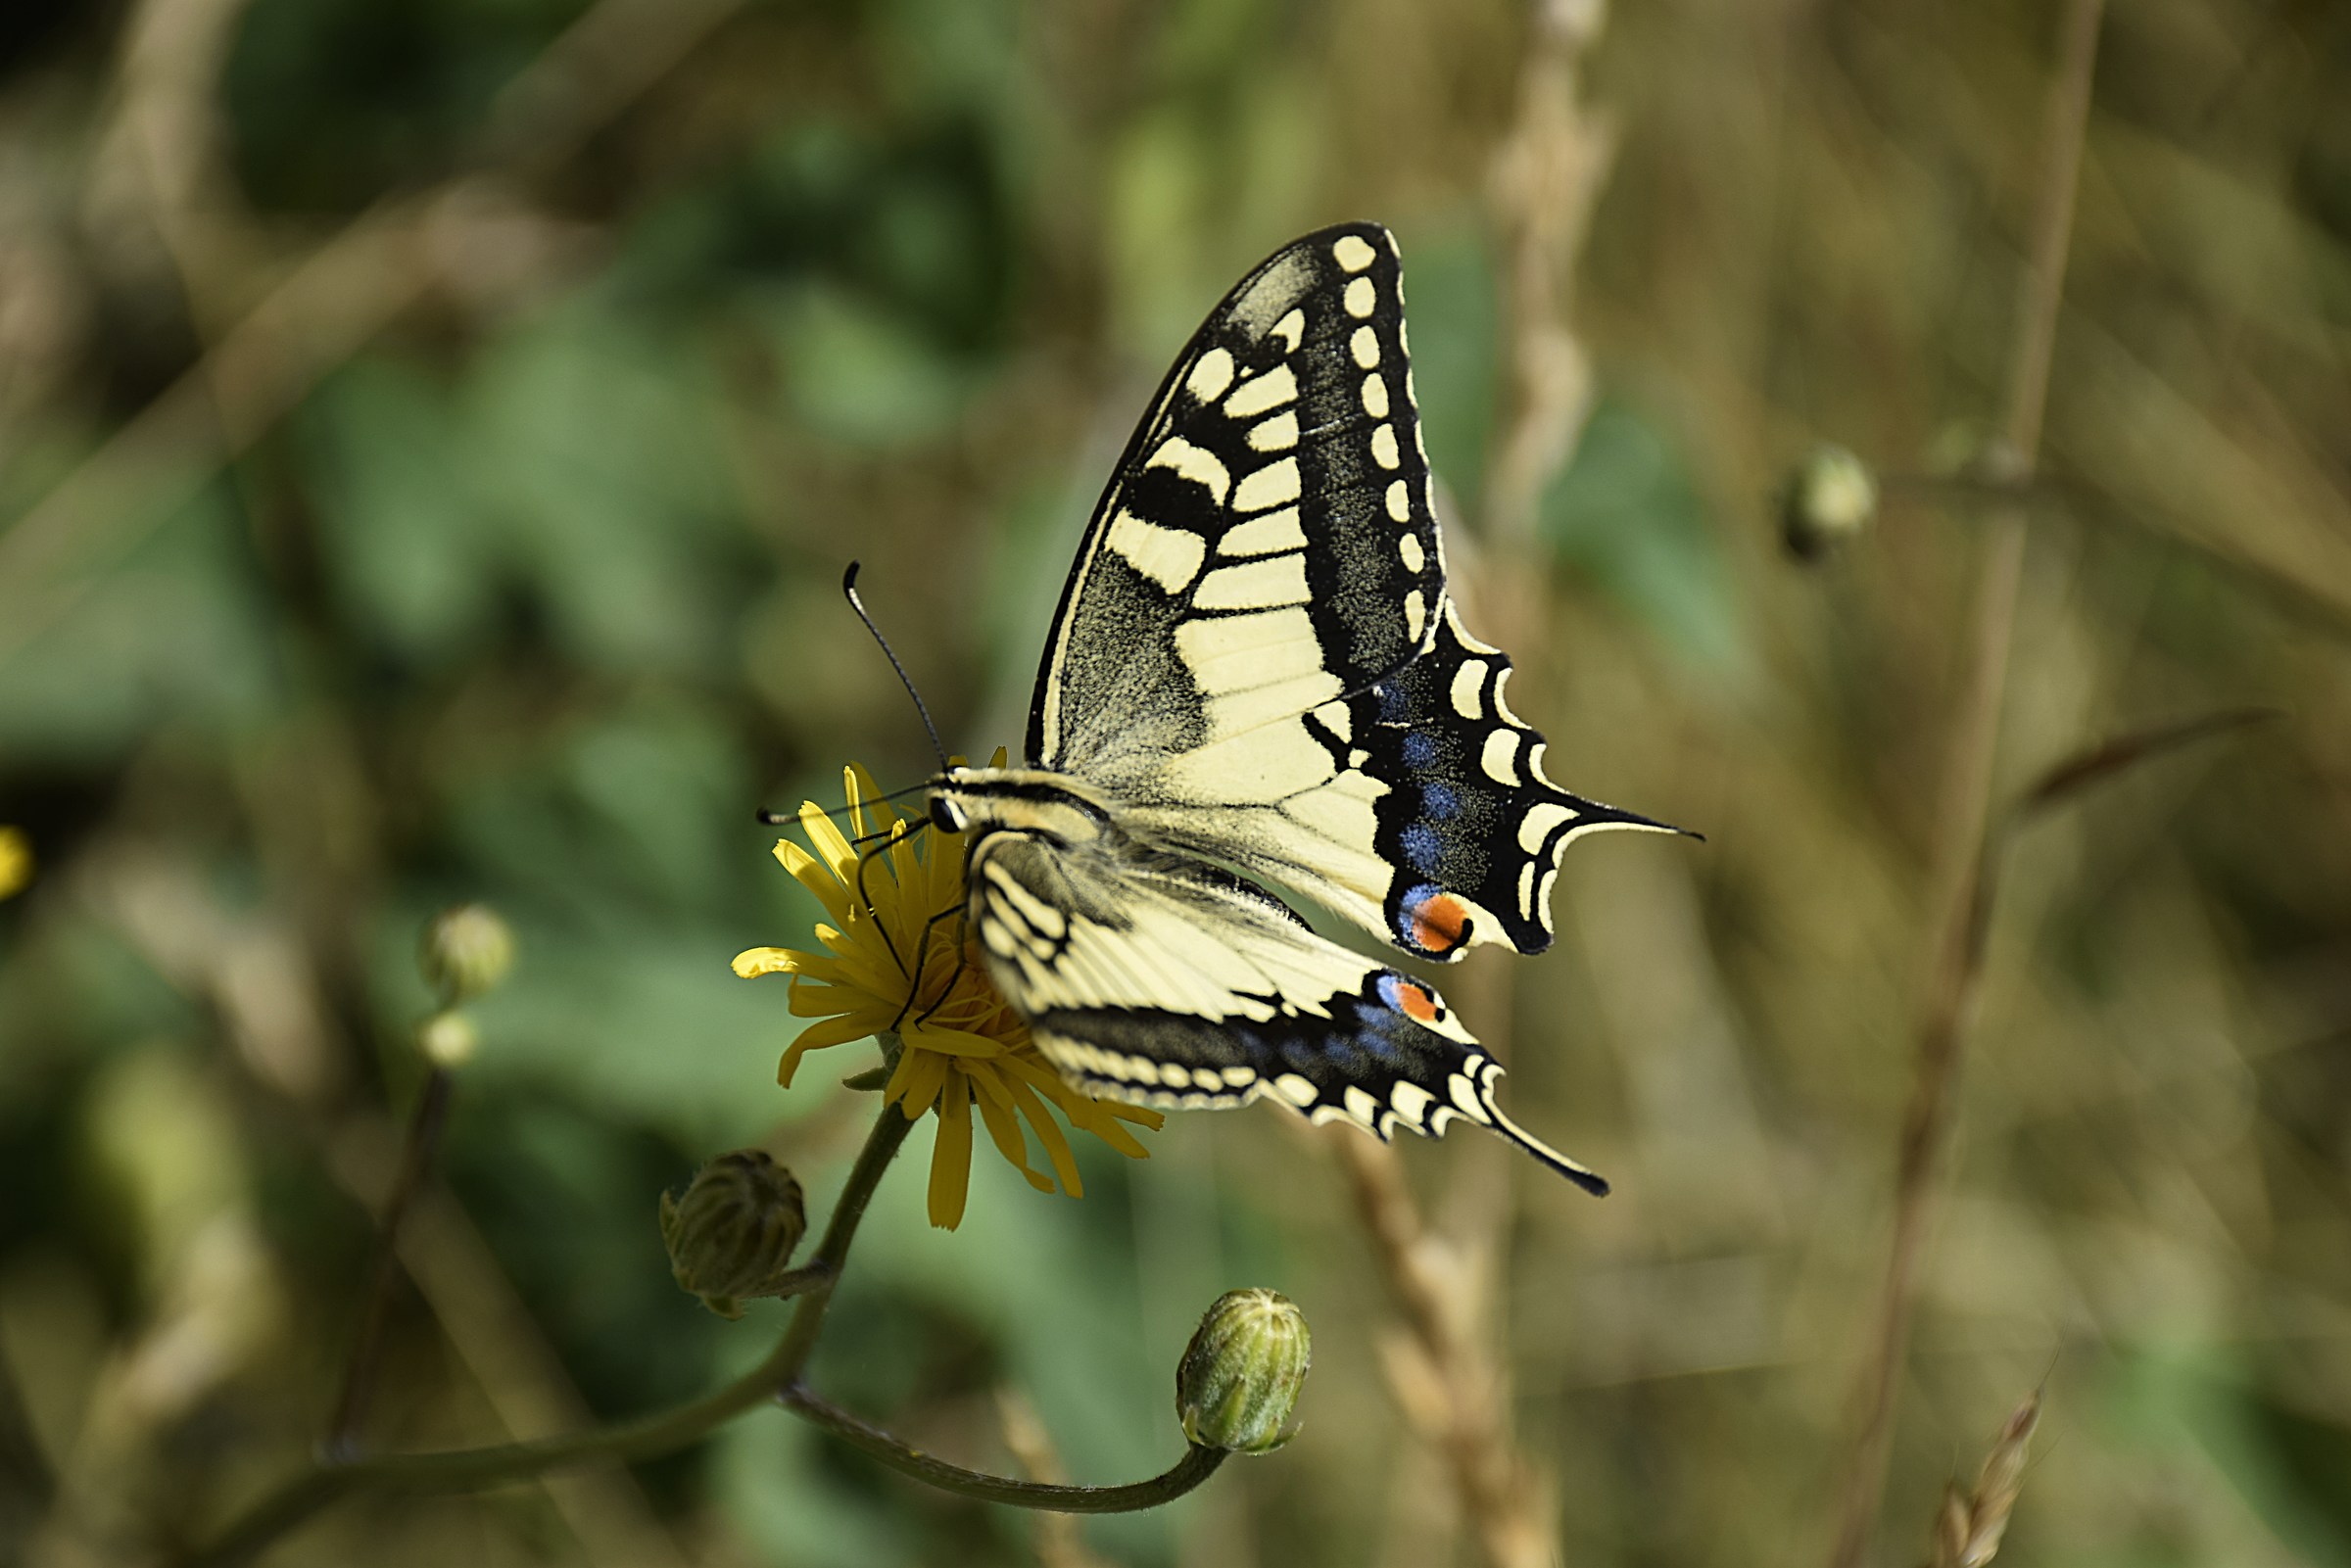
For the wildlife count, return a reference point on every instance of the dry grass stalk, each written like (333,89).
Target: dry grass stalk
(1059,1545)
(1952,983)
(1451,1392)
(1545,177)
(1969,1526)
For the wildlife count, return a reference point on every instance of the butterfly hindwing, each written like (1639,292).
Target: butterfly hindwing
(1469,827)
(1266,545)
(1160,980)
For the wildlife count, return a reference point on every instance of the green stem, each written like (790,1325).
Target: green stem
(1196,1466)
(644,1438)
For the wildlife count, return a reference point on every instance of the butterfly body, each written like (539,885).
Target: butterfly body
(1256,672)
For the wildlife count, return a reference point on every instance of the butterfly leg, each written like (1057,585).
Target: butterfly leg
(892,836)
(922,951)
(962,961)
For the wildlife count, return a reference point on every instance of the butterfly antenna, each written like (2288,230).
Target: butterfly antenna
(787,819)
(848,589)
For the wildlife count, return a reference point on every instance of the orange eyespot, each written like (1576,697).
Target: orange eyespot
(1416,1003)
(1439,923)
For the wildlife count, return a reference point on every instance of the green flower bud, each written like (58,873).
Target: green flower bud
(465,951)
(1239,1380)
(732,1235)
(448,1039)
(1830,498)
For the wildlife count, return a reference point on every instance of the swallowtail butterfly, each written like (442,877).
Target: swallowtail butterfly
(1255,665)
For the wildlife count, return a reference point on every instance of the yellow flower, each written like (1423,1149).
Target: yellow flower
(16,861)
(964,1044)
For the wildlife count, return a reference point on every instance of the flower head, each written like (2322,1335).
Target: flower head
(896,957)
(16,861)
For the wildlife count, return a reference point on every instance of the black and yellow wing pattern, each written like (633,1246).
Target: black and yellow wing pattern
(1256,665)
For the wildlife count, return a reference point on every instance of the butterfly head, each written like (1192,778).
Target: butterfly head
(1024,800)
(946,812)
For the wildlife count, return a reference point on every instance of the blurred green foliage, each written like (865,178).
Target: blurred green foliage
(530,600)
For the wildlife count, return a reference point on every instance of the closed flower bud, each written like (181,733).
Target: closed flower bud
(1239,1380)
(448,1039)
(733,1234)
(467,950)
(1828,498)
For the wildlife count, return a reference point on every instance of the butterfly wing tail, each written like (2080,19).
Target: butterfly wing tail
(1583,1175)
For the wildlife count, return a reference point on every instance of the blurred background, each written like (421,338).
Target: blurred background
(431,433)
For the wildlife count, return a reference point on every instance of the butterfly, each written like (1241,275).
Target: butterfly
(1256,673)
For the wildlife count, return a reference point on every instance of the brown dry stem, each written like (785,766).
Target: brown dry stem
(1951,985)
(1449,1388)
(1546,175)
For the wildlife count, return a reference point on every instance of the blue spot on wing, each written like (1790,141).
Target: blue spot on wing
(1439,801)
(1419,750)
(1421,846)
(1408,910)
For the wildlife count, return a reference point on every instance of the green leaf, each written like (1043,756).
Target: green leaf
(1627,515)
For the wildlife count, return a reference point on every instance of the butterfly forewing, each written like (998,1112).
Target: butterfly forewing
(1266,544)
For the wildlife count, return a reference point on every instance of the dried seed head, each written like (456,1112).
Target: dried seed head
(1828,498)
(1238,1383)
(1968,1530)
(1952,1526)
(733,1234)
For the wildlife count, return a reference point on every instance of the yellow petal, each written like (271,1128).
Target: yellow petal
(822,1035)
(922,1073)
(901,1077)
(866,796)
(1048,1132)
(824,968)
(816,1000)
(826,840)
(16,861)
(951,1156)
(1004,1124)
(1119,1138)
(817,876)
(950,1042)
(753,962)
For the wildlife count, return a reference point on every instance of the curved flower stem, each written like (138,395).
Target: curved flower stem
(644,1438)
(425,1124)
(1196,1466)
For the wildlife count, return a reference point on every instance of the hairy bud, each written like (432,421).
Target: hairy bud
(1830,498)
(448,1039)
(467,950)
(1238,1383)
(732,1235)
